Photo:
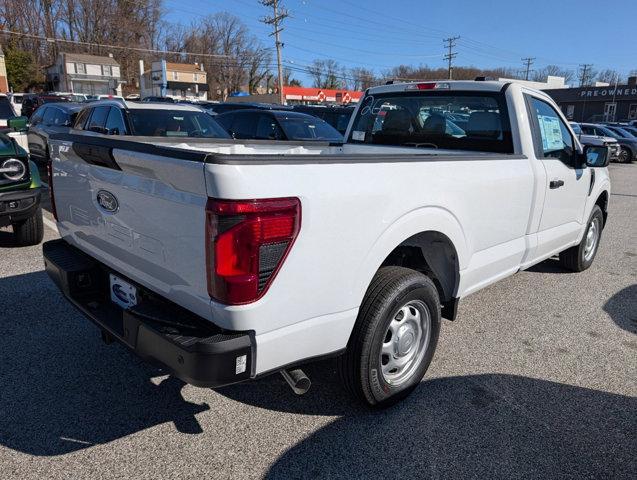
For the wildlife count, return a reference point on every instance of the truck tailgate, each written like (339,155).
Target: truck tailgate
(140,210)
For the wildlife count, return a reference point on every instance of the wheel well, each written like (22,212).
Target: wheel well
(602,201)
(433,254)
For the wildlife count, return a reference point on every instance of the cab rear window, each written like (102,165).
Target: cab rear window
(445,120)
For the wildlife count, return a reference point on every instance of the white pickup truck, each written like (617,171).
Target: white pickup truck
(226,261)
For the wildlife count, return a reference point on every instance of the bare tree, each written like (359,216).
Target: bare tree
(325,74)
(610,76)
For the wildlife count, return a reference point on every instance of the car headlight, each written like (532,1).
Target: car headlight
(13,169)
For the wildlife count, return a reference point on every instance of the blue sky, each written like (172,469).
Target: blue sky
(379,34)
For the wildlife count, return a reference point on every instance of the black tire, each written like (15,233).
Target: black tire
(30,231)
(625,155)
(575,258)
(360,368)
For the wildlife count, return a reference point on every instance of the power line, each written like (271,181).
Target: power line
(279,13)
(451,43)
(528,61)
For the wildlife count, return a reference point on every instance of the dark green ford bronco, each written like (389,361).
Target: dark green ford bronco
(20,188)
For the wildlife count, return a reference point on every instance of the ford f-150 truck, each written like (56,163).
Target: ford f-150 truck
(225,261)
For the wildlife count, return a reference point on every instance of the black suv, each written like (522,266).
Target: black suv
(336,116)
(277,125)
(30,103)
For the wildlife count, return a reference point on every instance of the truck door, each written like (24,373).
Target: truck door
(567,182)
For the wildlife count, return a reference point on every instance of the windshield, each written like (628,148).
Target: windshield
(6,110)
(457,121)
(608,132)
(171,123)
(308,128)
(623,132)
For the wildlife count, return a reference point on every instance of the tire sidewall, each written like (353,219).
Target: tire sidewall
(382,392)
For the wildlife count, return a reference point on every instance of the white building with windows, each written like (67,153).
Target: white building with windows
(82,73)
(180,81)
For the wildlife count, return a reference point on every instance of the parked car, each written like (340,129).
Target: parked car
(110,117)
(227,262)
(19,193)
(277,125)
(620,130)
(31,102)
(610,142)
(158,100)
(337,116)
(7,111)
(16,101)
(628,146)
(49,119)
(219,108)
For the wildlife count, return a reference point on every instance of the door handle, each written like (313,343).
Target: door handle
(556,184)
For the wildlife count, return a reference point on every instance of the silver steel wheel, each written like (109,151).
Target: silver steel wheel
(592,239)
(405,342)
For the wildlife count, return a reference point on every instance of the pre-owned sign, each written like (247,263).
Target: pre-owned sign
(619,92)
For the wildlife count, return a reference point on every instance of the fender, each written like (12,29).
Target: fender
(601,185)
(432,218)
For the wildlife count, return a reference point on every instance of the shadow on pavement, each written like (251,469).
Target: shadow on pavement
(622,308)
(62,389)
(483,426)
(6,238)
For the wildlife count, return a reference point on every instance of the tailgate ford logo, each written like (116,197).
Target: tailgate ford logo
(107,201)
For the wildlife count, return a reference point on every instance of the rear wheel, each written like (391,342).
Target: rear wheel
(394,338)
(580,257)
(30,231)
(625,155)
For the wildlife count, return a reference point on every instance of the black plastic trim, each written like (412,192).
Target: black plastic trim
(191,348)
(10,216)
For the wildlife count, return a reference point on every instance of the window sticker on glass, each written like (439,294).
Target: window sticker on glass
(358,136)
(551,133)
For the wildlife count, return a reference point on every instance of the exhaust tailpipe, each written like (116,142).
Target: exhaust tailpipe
(297,380)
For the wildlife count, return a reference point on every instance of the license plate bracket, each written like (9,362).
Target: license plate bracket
(122,292)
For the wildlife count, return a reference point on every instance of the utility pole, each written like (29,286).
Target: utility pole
(584,71)
(279,13)
(450,44)
(528,61)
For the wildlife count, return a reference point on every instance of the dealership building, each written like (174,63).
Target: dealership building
(611,103)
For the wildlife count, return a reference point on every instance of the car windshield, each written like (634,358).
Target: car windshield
(608,132)
(623,132)
(308,128)
(6,110)
(171,123)
(457,121)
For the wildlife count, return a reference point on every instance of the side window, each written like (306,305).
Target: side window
(98,119)
(244,125)
(115,122)
(61,118)
(557,141)
(588,130)
(268,128)
(49,116)
(80,121)
(37,116)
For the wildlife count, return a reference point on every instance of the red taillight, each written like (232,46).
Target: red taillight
(49,174)
(426,86)
(246,244)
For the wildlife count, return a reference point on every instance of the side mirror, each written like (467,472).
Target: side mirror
(18,124)
(596,156)
(114,131)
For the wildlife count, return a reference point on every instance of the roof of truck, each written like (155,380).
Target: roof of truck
(471,85)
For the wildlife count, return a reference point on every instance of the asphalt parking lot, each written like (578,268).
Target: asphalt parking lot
(536,379)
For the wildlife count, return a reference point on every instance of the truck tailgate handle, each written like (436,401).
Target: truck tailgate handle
(96,155)
(556,184)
